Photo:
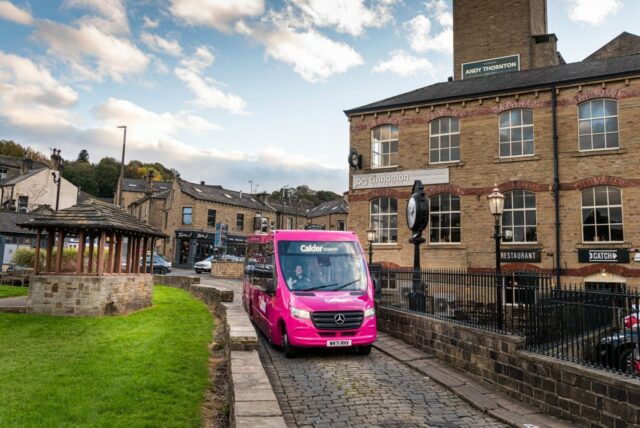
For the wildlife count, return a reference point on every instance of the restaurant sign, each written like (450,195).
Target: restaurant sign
(400,178)
(487,67)
(194,235)
(595,255)
(526,255)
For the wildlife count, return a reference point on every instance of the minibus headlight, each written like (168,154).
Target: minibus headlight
(369,312)
(299,313)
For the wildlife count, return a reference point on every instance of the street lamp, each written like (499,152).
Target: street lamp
(496,206)
(124,144)
(58,164)
(371,238)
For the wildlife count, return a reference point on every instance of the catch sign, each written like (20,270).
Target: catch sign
(487,67)
(597,255)
(221,235)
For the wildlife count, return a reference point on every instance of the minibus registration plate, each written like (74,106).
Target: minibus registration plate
(338,343)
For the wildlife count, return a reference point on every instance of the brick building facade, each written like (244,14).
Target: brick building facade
(560,142)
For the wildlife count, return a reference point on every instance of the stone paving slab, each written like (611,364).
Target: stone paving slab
(482,396)
(14,305)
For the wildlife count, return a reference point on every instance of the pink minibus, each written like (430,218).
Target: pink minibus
(310,288)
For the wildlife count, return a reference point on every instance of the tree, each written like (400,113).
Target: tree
(10,148)
(83,156)
(81,174)
(107,173)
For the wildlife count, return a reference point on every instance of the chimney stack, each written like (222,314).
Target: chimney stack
(202,183)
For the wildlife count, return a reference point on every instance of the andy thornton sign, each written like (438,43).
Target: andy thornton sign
(487,67)
(400,178)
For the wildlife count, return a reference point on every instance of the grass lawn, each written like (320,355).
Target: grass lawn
(11,291)
(146,369)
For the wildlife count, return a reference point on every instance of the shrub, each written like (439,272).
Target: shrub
(26,256)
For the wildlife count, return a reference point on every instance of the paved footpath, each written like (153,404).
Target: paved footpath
(327,388)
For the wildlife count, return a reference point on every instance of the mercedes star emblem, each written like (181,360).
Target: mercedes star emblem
(339,318)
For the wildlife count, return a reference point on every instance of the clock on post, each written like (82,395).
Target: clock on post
(417,220)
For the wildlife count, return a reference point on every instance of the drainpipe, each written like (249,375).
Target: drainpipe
(556,181)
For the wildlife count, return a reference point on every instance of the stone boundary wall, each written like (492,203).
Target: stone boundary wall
(89,295)
(252,400)
(571,391)
(232,270)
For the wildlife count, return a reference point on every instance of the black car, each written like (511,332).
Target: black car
(160,265)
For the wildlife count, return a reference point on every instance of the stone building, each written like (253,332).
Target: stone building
(11,166)
(191,212)
(132,190)
(559,141)
(150,210)
(331,215)
(36,188)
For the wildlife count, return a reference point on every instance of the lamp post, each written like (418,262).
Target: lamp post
(124,144)
(496,206)
(371,238)
(57,160)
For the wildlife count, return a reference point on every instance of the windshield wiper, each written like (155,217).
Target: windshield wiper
(347,284)
(320,286)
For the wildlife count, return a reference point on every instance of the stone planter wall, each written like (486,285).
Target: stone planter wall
(85,295)
(233,270)
(571,391)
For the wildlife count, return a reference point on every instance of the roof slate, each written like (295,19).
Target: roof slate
(9,222)
(330,207)
(218,194)
(135,185)
(18,178)
(92,214)
(491,85)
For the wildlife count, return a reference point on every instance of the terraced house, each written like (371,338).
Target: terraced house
(561,142)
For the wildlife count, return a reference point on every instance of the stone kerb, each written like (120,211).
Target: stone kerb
(560,388)
(89,295)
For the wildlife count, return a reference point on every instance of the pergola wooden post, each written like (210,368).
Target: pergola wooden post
(104,227)
(80,258)
(36,261)
(51,236)
(60,248)
(118,255)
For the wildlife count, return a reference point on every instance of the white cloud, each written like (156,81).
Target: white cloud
(92,53)
(593,12)
(160,44)
(147,128)
(419,29)
(11,12)
(218,14)
(29,95)
(206,90)
(149,23)
(110,16)
(312,55)
(202,59)
(347,16)
(404,64)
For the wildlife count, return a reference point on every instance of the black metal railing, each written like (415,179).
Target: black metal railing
(591,325)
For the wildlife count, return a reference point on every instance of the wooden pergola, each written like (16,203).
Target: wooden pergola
(98,225)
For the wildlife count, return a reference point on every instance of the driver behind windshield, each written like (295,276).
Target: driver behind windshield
(299,278)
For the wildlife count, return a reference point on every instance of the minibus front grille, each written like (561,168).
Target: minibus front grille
(347,320)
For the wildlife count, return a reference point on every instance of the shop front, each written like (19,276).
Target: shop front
(193,246)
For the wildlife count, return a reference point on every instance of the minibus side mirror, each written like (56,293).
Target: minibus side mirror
(270,286)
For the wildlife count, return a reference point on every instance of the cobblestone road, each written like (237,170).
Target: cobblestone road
(325,388)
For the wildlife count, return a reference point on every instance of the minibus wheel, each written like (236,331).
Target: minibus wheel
(364,350)
(289,351)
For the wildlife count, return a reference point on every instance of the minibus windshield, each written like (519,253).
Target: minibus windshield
(322,266)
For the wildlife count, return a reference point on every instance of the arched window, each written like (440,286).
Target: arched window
(598,125)
(384,146)
(519,217)
(602,214)
(444,221)
(384,219)
(516,133)
(444,140)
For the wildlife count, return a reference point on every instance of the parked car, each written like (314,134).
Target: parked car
(621,351)
(203,265)
(160,264)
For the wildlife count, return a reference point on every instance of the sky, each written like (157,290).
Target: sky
(232,91)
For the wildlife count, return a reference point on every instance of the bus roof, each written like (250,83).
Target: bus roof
(302,235)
